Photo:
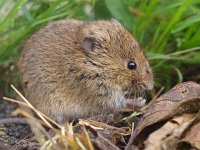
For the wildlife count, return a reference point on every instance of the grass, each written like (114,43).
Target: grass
(167,30)
(64,137)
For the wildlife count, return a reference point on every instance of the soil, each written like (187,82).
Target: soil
(12,136)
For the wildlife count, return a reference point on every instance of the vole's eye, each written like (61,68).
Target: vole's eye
(132,65)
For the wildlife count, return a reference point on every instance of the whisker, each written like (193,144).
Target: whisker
(122,97)
(144,95)
(129,94)
(137,95)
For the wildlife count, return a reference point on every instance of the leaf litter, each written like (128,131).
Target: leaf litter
(170,122)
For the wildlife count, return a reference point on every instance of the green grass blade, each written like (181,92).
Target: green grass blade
(120,11)
(27,14)
(186,23)
(2,3)
(179,74)
(5,23)
(162,39)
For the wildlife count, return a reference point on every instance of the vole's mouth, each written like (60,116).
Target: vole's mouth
(131,93)
(134,89)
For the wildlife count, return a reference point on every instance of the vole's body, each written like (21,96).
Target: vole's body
(80,69)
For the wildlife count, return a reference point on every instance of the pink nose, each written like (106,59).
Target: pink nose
(147,84)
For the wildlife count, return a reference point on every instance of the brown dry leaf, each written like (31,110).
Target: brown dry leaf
(183,98)
(104,144)
(166,137)
(192,136)
(101,126)
(99,140)
(105,132)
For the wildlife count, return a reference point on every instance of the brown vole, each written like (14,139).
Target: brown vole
(81,69)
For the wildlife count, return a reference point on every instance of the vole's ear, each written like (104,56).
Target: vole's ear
(88,44)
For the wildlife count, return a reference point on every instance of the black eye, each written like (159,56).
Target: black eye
(132,65)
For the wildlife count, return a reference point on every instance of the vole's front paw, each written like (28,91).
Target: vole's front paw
(136,103)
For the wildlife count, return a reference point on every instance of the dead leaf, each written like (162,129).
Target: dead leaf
(108,132)
(183,98)
(104,144)
(102,126)
(166,137)
(192,135)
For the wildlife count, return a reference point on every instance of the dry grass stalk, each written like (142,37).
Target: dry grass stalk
(31,106)
(64,138)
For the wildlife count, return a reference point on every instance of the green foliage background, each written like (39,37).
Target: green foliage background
(168,30)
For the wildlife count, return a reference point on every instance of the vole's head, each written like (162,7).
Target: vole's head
(114,54)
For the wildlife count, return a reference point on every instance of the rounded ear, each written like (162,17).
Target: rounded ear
(88,44)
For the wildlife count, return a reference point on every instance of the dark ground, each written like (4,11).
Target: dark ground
(14,135)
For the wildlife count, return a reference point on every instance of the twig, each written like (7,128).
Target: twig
(128,146)
(14,120)
(15,101)
(22,103)
(31,106)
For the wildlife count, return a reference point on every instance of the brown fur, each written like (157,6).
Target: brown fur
(80,69)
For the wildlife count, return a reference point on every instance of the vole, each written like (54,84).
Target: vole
(81,69)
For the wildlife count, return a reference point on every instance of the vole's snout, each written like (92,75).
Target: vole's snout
(143,83)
